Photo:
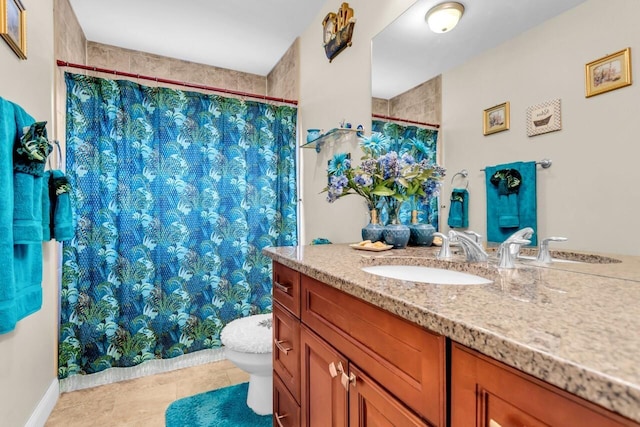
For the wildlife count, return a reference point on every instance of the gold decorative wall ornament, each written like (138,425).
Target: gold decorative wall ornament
(337,30)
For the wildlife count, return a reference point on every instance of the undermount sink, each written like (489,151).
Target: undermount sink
(437,276)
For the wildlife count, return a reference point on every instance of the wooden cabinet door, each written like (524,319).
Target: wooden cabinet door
(371,405)
(286,288)
(324,399)
(487,393)
(286,411)
(286,349)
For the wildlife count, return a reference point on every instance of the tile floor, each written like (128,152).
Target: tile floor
(140,402)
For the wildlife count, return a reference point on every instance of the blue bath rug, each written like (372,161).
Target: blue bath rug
(225,407)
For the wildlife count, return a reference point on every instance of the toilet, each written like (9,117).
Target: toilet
(248,343)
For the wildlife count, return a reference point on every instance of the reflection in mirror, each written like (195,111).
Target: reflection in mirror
(408,59)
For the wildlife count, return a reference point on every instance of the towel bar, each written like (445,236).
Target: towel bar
(545,163)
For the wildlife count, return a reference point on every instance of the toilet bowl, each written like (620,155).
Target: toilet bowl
(247,344)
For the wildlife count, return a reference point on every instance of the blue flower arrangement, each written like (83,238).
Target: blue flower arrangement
(384,175)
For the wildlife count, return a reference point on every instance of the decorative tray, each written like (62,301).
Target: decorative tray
(371,248)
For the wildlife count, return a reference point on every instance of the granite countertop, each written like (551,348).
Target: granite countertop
(574,325)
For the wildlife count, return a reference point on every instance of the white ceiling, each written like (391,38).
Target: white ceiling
(407,53)
(252,35)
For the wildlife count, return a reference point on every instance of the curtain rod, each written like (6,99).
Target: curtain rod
(380,116)
(175,82)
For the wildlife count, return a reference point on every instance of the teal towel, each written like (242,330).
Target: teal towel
(46,206)
(29,158)
(459,208)
(21,264)
(61,206)
(511,206)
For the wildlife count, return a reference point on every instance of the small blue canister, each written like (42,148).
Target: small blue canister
(313,134)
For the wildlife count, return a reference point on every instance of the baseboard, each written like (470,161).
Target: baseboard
(39,417)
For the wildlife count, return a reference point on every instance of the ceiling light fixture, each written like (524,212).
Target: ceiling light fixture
(444,17)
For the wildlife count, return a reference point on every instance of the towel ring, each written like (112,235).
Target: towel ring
(464,173)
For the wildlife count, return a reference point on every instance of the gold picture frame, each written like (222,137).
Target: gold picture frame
(608,73)
(496,119)
(13,26)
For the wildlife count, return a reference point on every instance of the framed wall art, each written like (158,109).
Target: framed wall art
(496,119)
(13,26)
(608,73)
(543,118)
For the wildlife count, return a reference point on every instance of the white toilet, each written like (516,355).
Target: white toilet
(248,345)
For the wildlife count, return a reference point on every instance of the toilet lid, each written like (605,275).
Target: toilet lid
(250,334)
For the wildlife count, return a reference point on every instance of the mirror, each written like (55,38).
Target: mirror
(406,54)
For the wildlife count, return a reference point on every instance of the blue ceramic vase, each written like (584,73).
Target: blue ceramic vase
(420,234)
(395,233)
(373,230)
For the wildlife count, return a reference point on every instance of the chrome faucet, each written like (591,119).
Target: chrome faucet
(521,235)
(506,253)
(544,256)
(472,249)
(445,251)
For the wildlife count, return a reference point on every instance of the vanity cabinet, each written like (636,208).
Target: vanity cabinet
(487,393)
(343,361)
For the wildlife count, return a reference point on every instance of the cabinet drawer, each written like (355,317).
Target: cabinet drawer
(286,349)
(286,411)
(286,288)
(402,357)
(487,393)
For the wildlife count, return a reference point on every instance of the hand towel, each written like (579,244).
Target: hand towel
(46,206)
(508,182)
(29,158)
(61,206)
(511,200)
(459,208)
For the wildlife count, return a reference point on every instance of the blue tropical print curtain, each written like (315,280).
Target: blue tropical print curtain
(175,195)
(422,143)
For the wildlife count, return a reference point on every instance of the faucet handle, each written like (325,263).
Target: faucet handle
(475,236)
(544,256)
(445,251)
(507,256)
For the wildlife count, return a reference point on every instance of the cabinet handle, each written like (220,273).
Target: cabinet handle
(281,347)
(281,287)
(494,423)
(346,380)
(279,417)
(335,370)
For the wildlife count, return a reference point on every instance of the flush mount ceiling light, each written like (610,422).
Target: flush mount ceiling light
(444,17)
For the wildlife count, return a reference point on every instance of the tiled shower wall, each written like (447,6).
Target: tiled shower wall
(72,46)
(423,103)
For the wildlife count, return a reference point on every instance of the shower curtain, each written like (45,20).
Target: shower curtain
(422,144)
(176,193)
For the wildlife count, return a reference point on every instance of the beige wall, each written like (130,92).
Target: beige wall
(329,93)
(590,194)
(28,354)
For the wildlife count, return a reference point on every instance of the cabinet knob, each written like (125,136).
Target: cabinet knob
(282,348)
(348,379)
(494,423)
(279,417)
(334,369)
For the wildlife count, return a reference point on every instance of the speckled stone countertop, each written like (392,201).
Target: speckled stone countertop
(574,325)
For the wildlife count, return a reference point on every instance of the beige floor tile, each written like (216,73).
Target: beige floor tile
(140,402)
